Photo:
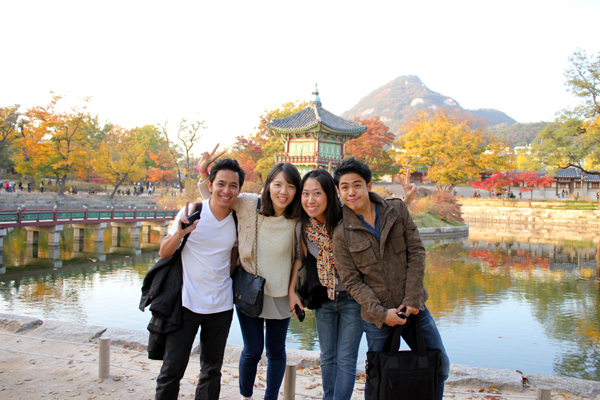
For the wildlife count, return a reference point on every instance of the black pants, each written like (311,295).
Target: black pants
(214,329)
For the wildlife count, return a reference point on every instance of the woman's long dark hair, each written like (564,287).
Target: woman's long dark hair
(291,176)
(333,214)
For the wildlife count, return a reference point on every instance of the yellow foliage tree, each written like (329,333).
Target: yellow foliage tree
(451,147)
(52,141)
(120,157)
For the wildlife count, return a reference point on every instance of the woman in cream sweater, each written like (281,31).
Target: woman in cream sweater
(272,227)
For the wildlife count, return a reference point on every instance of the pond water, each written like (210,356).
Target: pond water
(498,303)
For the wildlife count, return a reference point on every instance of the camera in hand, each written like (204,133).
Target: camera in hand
(299,313)
(402,313)
(192,218)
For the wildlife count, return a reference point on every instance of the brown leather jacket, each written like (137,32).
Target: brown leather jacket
(381,275)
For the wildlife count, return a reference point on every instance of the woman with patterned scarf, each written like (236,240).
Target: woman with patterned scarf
(339,324)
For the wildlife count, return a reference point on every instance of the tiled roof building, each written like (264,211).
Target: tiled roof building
(314,137)
(572,180)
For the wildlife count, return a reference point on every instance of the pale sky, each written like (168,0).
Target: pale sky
(225,62)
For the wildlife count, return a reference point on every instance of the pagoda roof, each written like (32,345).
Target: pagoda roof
(575,173)
(315,116)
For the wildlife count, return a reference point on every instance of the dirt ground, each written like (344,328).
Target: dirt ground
(34,368)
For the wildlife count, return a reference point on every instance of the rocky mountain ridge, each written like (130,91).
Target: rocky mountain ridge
(396,101)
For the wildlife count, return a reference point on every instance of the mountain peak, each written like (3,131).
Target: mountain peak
(396,101)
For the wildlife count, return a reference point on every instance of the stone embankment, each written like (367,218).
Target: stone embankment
(445,232)
(47,201)
(54,359)
(532,220)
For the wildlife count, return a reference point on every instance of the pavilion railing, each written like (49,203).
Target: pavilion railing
(307,159)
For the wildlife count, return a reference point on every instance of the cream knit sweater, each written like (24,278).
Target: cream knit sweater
(245,210)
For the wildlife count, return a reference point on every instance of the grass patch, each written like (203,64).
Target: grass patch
(428,220)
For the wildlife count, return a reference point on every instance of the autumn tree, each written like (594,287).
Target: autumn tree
(450,146)
(371,148)
(120,157)
(188,133)
(573,139)
(157,161)
(529,180)
(52,141)
(174,152)
(247,153)
(526,181)
(498,182)
(9,117)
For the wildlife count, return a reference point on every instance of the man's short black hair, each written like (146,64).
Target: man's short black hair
(226,164)
(352,166)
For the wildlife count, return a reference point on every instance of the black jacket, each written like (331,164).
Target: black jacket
(162,291)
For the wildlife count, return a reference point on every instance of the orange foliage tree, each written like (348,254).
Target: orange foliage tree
(525,180)
(371,146)
(52,141)
(163,169)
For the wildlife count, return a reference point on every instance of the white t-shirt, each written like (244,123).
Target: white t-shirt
(206,259)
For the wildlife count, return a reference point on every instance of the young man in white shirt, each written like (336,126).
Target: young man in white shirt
(208,259)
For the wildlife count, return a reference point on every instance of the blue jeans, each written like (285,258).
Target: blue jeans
(214,329)
(340,329)
(254,342)
(376,339)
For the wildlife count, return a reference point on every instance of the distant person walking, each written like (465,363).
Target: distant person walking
(41,187)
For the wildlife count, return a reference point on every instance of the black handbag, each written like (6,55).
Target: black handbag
(249,289)
(405,375)
(308,285)
(248,292)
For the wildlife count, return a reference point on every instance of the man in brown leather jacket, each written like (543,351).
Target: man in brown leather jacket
(381,259)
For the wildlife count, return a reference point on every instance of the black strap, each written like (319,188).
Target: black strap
(393,342)
(185,238)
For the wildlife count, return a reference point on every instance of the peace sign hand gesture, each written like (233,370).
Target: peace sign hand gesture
(206,159)
(410,189)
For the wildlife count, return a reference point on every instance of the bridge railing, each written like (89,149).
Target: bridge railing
(23,218)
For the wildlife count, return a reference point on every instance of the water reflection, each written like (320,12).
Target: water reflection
(498,302)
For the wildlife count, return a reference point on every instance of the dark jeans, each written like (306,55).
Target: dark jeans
(376,339)
(214,329)
(254,342)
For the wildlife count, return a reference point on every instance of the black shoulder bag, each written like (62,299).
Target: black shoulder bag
(406,375)
(308,285)
(249,289)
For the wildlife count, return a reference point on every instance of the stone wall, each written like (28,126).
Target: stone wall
(543,222)
(37,201)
